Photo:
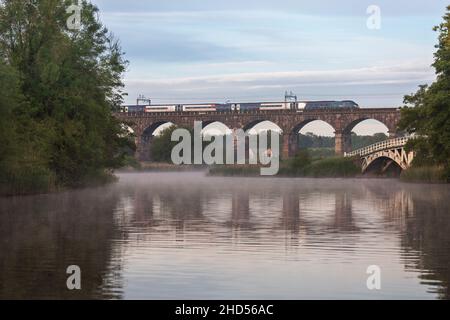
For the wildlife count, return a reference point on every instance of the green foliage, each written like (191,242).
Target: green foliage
(364,141)
(58,88)
(312,141)
(320,153)
(430,174)
(235,170)
(427,112)
(298,164)
(303,165)
(9,96)
(162,145)
(132,162)
(333,167)
(27,179)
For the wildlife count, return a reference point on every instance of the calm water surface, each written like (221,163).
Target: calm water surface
(188,236)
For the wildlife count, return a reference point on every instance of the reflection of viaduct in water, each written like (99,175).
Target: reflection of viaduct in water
(143,207)
(421,218)
(240,209)
(343,217)
(188,208)
(291,212)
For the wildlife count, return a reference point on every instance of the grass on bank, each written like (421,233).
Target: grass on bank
(300,166)
(336,167)
(425,174)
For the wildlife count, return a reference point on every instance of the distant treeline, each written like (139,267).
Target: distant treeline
(310,140)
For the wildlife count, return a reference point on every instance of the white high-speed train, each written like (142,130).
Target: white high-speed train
(242,107)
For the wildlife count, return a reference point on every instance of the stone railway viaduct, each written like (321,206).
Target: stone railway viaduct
(289,121)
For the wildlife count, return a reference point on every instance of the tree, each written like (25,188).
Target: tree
(427,112)
(162,145)
(9,96)
(71,80)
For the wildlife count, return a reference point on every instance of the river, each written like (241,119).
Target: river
(189,236)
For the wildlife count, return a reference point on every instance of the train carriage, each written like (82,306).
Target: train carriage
(132,108)
(160,108)
(244,107)
(277,106)
(199,107)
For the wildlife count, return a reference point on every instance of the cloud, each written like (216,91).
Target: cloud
(259,80)
(202,50)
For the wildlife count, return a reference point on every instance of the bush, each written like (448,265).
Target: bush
(298,164)
(320,153)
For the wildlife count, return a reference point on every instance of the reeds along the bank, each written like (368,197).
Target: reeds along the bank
(427,174)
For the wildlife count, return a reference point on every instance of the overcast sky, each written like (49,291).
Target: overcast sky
(255,50)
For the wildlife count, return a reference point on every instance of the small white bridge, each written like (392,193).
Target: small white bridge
(393,150)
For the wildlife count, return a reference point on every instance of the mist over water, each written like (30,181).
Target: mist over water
(189,236)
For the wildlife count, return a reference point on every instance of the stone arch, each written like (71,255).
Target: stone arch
(218,130)
(248,127)
(391,126)
(150,129)
(299,126)
(219,123)
(364,127)
(253,123)
(144,140)
(293,135)
(129,133)
(384,163)
(344,135)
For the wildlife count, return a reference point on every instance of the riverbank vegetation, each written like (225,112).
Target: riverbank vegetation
(302,165)
(312,141)
(58,87)
(319,147)
(318,160)
(427,174)
(427,115)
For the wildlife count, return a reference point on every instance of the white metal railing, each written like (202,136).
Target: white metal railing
(383,145)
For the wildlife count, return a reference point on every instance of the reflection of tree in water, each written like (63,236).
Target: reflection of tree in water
(421,214)
(42,235)
(428,231)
